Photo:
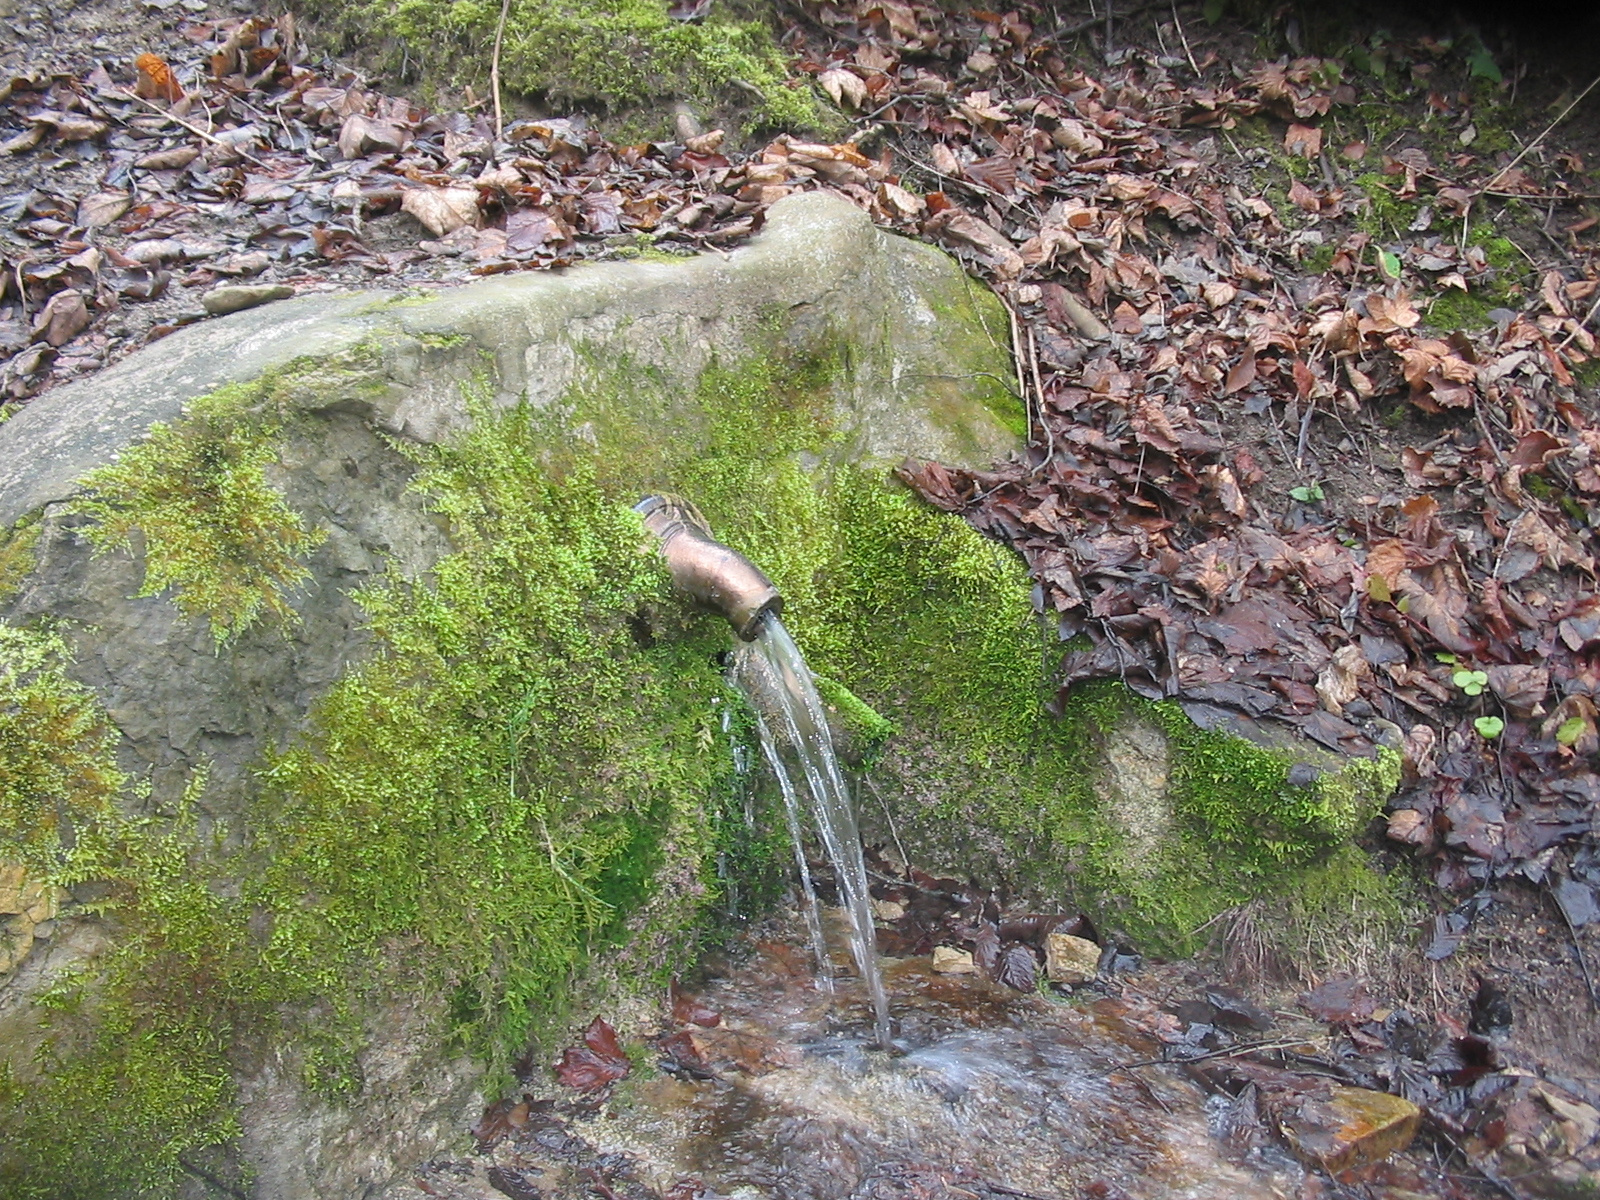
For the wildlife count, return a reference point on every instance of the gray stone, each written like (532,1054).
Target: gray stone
(819,268)
(232,298)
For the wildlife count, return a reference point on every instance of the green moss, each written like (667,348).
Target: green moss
(566,770)
(864,727)
(124,1112)
(1386,215)
(214,530)
(1455,309)
(621,54)
(1318,259)
(17,555)
(58,773)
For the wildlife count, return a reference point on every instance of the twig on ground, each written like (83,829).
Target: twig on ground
(194,129)
(1086,25)
(1589,316)
(1225,1052)
(1038,403)
(1305,437)
(494,69)
(1577,948)
(1534,145)
(1184,38)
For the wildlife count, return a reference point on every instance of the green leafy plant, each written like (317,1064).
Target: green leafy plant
(1489,727)
(1481,65)
(1389,264)
(1470,682)
(1307,493)
(1571,730)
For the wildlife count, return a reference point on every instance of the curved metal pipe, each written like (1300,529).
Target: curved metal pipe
(711,574)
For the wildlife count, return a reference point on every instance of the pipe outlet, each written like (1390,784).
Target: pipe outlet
(714,576)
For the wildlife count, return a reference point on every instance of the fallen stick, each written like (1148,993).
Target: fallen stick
(1534,145)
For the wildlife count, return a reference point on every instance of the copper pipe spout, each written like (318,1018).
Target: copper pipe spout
(705,570)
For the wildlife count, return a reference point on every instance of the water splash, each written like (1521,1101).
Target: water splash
(795,738)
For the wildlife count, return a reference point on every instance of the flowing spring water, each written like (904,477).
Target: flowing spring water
(774,674)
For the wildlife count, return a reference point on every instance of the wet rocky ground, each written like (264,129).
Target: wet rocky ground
(765,1085)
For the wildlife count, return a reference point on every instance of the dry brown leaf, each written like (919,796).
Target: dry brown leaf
(1304,198)
(1388,560)
(895,201)
(1523,688)
(62,319)
(1077,139)
(441,210)
(1340,331)
(1302,141)
(102,208)
(168,160)
(1340,681)
(1242,375)
(1388,315)
(844,88)
(156,80)
(360,135)
(1531,541)
(945,161)
(992,246)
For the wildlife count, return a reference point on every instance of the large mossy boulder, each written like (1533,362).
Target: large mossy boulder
(628,60)
(347,727)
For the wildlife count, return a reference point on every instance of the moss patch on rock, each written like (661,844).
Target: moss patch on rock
(620,55)
(58,772)
(510,787)
(531,779)
(213,528)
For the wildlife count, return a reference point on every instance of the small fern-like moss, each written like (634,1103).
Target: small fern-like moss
(57,761)
(214,529)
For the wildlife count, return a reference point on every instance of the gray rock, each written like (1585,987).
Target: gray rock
(232,298)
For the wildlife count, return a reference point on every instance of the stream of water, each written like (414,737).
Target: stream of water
(795,739)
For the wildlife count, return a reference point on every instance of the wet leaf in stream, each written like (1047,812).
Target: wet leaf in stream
(1017,968)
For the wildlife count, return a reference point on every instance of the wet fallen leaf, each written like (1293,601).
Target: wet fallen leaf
(686,1010)
(596,1063)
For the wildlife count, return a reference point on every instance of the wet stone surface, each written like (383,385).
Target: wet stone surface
(987,1093)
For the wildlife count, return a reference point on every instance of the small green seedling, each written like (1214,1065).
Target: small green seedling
(1470,682)
(1389,264)
(1448,659)
(1308,494)
(1571,730)
(1489,727)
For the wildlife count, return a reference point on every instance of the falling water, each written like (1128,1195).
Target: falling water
(800,749)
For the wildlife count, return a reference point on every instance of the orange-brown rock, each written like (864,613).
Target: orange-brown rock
(1346,1127)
